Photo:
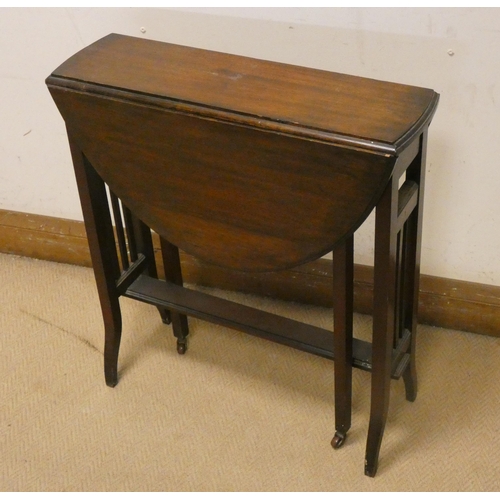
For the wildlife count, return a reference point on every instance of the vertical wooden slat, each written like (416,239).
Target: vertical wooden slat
(122,244)
(129,226)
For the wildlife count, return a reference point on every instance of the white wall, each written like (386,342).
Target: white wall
(462,206)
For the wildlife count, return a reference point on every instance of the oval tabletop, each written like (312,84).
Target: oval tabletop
(244,163)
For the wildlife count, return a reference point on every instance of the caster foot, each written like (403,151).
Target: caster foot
(181,347)
(338,440)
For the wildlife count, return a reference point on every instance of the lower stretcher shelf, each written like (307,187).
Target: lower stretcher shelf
(262,324)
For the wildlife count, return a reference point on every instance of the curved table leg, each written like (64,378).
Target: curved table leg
(102,247)
(383,320)
(112,337)
(416,173)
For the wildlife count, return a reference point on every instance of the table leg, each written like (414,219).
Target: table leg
(102,247)
(412,246)
(383,320)
(410,303)
(343,277)
(173,273)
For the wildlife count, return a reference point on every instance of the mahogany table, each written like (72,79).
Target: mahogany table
(255,166)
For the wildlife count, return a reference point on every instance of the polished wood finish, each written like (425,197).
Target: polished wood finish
(343,109)
(234,198)
(311,110)
(253,166)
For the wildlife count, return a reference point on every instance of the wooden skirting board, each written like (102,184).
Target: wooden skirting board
(459,305)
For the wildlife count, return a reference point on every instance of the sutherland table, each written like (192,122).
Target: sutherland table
(255,166)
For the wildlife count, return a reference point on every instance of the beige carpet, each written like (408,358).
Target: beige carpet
(236,413)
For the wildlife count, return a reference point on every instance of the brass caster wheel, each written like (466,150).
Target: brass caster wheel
(181,347)
(338,440)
